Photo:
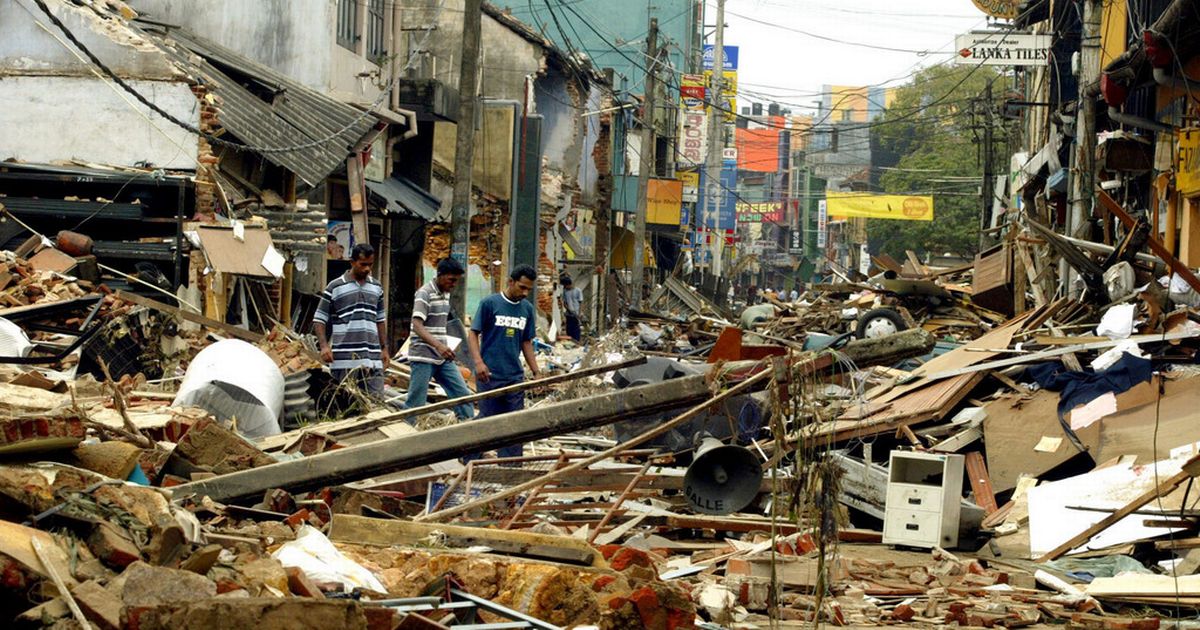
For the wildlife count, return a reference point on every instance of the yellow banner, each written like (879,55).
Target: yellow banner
(664,201)
(1187,162)
(872,206)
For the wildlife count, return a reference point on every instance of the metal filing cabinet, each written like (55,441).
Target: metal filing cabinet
(924,496)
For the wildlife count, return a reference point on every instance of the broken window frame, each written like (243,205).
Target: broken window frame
(376,42)
(347,23)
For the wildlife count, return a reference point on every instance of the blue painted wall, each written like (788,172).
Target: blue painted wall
(622,23)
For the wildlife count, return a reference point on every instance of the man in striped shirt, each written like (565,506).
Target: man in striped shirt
(352,306)
(430,351)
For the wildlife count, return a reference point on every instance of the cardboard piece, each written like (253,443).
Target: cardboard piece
(229,255)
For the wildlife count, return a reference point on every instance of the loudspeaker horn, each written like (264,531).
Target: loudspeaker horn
(722,478)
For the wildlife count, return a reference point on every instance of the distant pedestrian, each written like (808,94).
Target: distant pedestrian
(502,332)
(794,295)
(431,351)
(351,309)
(572,302)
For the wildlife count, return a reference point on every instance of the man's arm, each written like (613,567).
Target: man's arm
(381,326)
(320,319)
(384,355)
(482,373)
(530,357)
(323,342)
(444,351)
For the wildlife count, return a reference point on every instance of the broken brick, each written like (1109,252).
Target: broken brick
(112,546)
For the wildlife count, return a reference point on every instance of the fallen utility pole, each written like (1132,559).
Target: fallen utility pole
(743,387)
(410,451)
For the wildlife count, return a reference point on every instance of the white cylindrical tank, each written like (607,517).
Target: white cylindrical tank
(235,380)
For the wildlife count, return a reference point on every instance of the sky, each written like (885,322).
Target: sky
(791,67)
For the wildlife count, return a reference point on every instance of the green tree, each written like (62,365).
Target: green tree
(927,143)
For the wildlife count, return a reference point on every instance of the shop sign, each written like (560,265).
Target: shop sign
(1187,162)
(764,212)
(1003,49)
(822,223)
(872,206)
(729,60)
(1003,9)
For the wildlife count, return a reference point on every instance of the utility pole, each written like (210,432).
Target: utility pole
(464,147)
(988,168)
(1083,182)
(712,168)
(645,166)
(603,215)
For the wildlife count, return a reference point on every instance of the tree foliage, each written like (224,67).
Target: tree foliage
(928,140)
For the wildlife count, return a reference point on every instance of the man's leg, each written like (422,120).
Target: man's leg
(451,379)
(574,330)
(513,401)
(418,384)
(487,407)
(371,381)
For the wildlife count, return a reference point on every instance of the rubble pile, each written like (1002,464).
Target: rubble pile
(781,466)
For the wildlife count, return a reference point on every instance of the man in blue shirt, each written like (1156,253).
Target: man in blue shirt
(501,333)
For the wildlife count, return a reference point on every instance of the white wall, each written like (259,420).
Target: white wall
(297,38)
(26,48)
(47,118)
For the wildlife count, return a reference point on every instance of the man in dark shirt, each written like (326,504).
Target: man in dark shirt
(502,332)
(572,302)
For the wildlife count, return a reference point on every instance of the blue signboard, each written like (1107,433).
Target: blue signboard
(730,60)
(722,196)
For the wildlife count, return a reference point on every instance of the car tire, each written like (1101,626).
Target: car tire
(879,322)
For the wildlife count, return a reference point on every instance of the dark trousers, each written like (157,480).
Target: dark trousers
(368,380)
(574,330)
(497,405)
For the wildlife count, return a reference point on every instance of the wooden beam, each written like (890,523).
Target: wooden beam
(362,530)
(1190,469)
(981,483)
(196,318)
(1156,246)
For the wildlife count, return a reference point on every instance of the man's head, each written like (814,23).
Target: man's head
(520,283)
(566,282)
(449,272)
(362,258)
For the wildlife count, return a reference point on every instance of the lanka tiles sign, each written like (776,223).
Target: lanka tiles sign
(763,212)
(1003,49)
(664,200)
(1187,162)
(842,205)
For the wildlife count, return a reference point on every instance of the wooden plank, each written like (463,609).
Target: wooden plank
(958,441)
(358,207)
(981,484)
(437,445)
(376,419)
(229,329)
(1012,429)
(1190,469)
(363,530)
(1031,272)
(1057,352)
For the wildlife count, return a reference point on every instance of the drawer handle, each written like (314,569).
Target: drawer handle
(912,526)
(914,501)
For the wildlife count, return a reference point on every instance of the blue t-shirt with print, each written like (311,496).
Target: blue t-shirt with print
(503,325)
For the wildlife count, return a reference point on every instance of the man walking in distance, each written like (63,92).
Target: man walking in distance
(351,309)
(572,302)
(501,333)
(430,351)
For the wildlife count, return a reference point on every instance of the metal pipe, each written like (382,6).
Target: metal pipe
(1138,122)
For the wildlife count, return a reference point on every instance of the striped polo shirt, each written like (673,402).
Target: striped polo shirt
(351,311)
(431,306)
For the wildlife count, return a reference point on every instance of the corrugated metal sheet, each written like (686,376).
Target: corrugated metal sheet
(405,197)
(296,114)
